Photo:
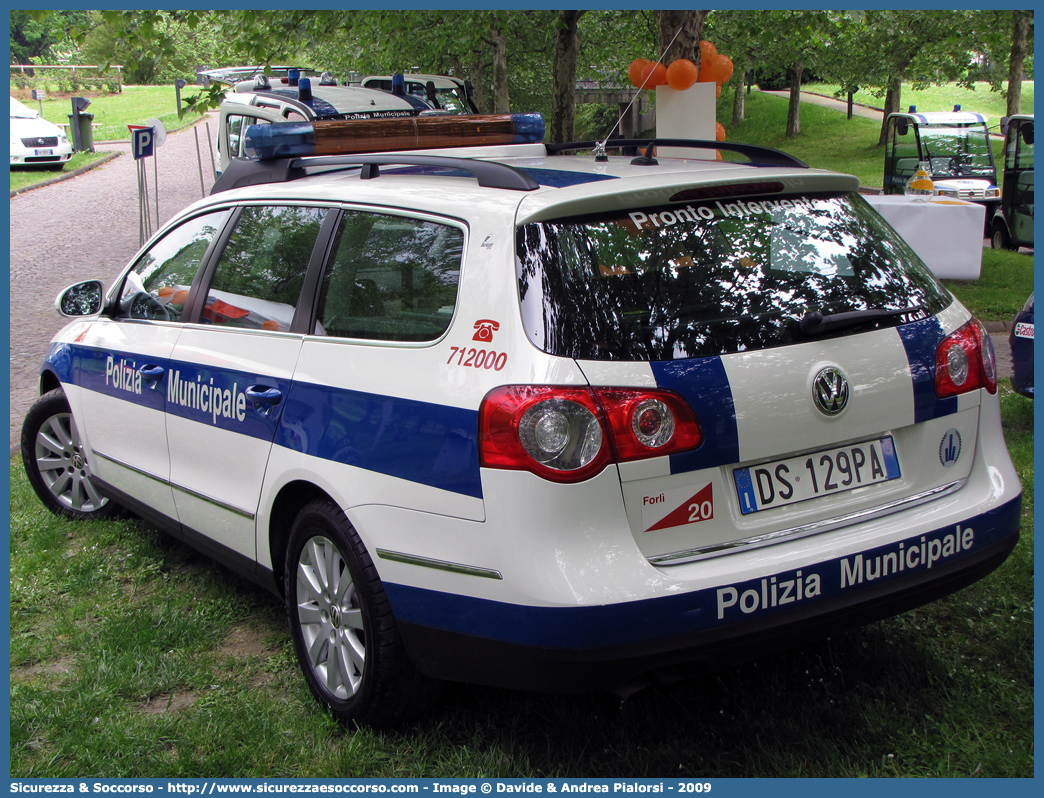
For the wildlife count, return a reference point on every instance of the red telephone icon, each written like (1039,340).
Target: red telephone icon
(484,329)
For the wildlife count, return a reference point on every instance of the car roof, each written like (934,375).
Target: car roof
(231,75)
(560,185)
(330,100)
(944,117)
(440,81)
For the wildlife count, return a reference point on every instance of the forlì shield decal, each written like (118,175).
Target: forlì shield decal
(698,507)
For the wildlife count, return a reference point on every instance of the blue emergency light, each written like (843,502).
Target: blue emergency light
(347,137)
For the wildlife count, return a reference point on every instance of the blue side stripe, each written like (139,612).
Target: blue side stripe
(575,627)
(420,442)
(921,339)
(431,444)
(704,383)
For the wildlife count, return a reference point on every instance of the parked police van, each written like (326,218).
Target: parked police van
(503,415)
(441,92)
(263,99)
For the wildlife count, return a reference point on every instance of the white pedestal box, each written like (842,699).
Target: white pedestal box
(689,114)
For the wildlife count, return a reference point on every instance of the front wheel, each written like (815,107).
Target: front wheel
(344,633)
(56,462)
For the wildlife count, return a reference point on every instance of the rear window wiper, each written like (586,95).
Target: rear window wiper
(815,323)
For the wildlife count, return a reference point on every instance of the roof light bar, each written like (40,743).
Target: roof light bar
(303,139)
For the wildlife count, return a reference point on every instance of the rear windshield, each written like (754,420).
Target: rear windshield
(711,278)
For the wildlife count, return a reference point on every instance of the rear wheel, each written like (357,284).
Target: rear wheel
(56,462)
(344,633)
(1000,238)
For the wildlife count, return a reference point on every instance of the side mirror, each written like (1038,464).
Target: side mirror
(902,127)
(1004,125)
(1027,133)
(81,299)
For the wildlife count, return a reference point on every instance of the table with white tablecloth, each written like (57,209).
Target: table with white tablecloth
(945,233)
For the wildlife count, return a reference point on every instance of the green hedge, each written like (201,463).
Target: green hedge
(66,81)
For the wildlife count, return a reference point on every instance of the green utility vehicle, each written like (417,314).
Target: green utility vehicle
(1013,221)
(956,147)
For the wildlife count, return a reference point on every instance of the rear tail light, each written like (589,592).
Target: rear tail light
(570,434)
(965,361)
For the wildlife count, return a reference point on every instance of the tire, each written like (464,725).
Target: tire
(344,633)
(56,463)
(1000,238)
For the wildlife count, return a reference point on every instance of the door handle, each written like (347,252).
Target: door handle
(263,398)
(151,373)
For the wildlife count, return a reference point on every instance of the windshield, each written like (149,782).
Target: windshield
(957,150)
(713,278)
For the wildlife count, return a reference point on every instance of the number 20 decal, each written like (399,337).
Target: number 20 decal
(477,358)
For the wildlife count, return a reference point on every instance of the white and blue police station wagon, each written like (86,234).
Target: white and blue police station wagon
(502,415)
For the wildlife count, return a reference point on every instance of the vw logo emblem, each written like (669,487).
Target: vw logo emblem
(830,391)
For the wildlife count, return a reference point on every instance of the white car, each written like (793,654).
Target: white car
(503,415)
(441,92)
(35,141)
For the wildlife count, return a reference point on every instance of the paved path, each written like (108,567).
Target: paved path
(832,102)
(86,227)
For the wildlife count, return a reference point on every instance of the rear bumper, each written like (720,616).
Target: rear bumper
(595,648)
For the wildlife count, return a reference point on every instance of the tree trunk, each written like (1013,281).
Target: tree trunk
(893,97)
(477,76)
(738,99)
(501,100)
(794,109)
(1019,37)
(563,87)
(688,25)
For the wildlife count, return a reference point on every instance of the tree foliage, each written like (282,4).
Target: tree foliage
(34,34)
(529,59)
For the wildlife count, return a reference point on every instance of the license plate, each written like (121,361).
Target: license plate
(808,476)
(45,152)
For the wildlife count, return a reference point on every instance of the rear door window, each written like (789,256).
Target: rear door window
(390,278)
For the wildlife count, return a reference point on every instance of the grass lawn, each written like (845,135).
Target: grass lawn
(982,99)
(133,106)
(1004,285)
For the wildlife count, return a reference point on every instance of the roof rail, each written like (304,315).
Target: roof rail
(757,155)
(490,174)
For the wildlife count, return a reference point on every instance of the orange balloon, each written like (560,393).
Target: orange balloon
(719,132)
(681,74)
(654,74)
(634,71)
(717,90)
(711,70)
(707,51)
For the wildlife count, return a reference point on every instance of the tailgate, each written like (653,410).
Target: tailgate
(774,464)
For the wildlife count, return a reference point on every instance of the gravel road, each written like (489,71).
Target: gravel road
(85,227)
